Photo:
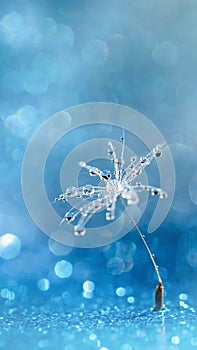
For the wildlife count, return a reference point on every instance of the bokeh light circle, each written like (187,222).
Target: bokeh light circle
(63,269)
(165,54)
(95,52)
(10,246)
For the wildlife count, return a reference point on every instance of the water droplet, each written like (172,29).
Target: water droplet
(143,160)
(93,171)
(106,174)
(157,152)
(71,191)
(82,163)
(10,246)
(154,192)
(88,190)
(109,215)
(69,216)
(163,195)
(63,269)
(109,152)
(79,230)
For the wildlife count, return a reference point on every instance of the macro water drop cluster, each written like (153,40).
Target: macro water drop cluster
(121,183)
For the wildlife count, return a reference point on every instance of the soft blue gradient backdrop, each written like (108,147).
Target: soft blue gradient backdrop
(56,54)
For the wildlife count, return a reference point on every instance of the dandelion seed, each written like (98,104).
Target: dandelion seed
(119,185)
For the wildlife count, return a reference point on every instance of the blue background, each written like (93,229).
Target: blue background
(57,54)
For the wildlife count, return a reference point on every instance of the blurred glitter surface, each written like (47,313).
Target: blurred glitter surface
(57,54)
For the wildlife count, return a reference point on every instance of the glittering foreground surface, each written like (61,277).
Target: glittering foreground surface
(104,329)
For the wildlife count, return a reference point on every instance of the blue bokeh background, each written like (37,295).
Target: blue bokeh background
(57,54)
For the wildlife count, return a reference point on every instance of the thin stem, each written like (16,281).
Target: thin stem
(145,243)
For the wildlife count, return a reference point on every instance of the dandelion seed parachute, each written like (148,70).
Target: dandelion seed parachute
(118,185)
(121,184)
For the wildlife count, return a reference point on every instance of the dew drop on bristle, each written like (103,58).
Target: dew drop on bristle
(88,190)
(93,172)
(157,152)
(71,191)
(79,230)
(106,174)
(154,192)
(69,216)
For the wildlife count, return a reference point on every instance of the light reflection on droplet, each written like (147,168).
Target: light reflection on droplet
(88,286)
(43,284)
(95,52)
(63,269)
(10,246)
(193,189)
